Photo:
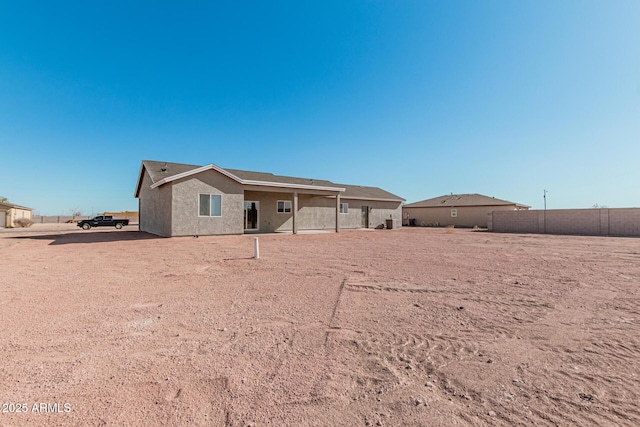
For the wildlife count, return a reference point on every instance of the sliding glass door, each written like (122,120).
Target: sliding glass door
(251,215)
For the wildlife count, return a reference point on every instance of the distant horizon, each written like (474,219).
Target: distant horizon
(420,98)
(96,213)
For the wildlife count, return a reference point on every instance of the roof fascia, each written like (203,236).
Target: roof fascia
(194,172)
(292,186)
(140,175)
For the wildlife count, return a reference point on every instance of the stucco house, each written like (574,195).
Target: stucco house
(9,213)
(181,200)
(460,210)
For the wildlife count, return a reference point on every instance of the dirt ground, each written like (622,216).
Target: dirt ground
(409,327)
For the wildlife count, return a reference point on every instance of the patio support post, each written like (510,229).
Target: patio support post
(338,213)
(295,212)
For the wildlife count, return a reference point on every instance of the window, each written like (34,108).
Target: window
(210,205)
(284,206)
(344,208)
(454,213)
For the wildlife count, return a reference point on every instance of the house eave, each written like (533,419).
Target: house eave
(291,186)
(374,199)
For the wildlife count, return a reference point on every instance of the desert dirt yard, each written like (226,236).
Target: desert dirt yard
(407,327)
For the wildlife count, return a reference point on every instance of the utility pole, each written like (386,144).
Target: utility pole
(544,196)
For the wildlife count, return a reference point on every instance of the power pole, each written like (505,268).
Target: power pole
(544,196)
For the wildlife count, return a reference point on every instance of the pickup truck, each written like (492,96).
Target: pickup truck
(103,221)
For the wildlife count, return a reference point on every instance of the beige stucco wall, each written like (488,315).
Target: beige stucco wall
(154,206)
(318,212)
(467,216)
(379,212)
(593,222)
(9,216)
(269,219)
(186,220)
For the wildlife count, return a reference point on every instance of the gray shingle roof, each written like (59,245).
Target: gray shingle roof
(161,170)
(458,200)
(371,193)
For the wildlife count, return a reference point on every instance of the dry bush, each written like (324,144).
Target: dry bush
(450,229)
(23,222)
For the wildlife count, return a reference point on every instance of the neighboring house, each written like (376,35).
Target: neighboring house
(181,200)
(461,210)
(10,212)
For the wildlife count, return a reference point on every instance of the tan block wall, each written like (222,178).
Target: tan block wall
(624,222)
(58,219)
(588,222)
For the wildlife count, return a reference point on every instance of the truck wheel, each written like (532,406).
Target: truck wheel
(86,226)
(118,226)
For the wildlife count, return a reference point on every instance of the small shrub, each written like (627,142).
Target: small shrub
(23,222)
(450,229)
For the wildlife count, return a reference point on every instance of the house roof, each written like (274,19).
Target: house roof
(164,172)
(7,205)
(460,200)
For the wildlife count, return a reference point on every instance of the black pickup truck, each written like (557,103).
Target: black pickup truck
(103,221)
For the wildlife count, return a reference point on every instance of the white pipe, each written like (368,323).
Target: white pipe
(256,247)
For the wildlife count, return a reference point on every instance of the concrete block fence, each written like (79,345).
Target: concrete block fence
(624,222)
(61,219)
(55,219)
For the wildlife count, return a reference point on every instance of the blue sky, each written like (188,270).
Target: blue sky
(421,98)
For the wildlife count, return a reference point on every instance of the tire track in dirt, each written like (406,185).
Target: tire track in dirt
(384,365)
(389,363)
(581,396)
(333,313)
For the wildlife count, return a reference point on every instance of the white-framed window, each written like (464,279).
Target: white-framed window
(284,206)
(210,205)
(344,208)
(454,213)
